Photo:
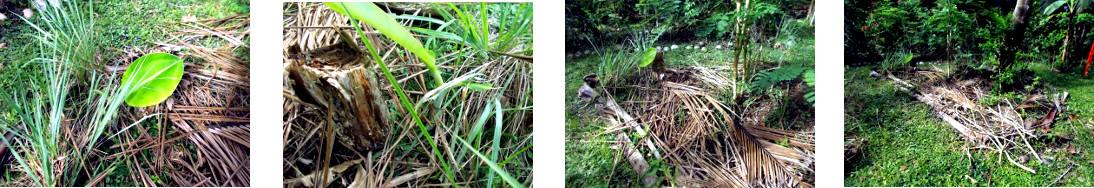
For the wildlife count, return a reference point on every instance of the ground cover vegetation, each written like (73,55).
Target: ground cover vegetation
(120,93)
(408,94)
(689,93)
(968,93)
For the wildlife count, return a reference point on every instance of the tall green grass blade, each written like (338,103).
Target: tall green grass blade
(476,130)
(438,34)
(20,160)
(484,29)
(466,27)
(514,155)
(443,89)
(421,18)
(498,123)
(515,30)
(493,166)
(481,122)
(478,86)
(412,111)
(377,18)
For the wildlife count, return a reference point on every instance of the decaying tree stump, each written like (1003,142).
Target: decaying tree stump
(340,77)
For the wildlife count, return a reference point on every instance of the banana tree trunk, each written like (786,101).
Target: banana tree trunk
(1067,39)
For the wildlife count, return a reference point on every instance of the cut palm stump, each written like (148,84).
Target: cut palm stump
(338,80)
(339,77)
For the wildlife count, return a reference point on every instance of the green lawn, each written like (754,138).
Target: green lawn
(908,146)
(120,24)
(123,23)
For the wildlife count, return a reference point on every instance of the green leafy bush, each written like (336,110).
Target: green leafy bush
(716,25)
(898,60)
(943,29)
(929,28)
(768,78)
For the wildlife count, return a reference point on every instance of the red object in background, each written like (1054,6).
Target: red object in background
(1087,70)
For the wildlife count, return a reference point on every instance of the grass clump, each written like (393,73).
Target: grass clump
(909,146)
(65,124)
(467,119)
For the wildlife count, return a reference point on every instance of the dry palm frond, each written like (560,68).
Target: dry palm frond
(210,108)
(312,28)
(999,127)
(702,137)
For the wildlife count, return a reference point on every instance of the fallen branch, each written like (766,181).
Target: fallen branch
(903,85)
(1061,175)
(1019,164)
(635,158)
(612,108)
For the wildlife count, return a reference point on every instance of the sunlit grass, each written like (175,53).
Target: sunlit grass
(465,141)
(55,95)
(903,133)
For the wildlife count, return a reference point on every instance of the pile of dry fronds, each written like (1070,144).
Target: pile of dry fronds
(208,142)
(329,78)
(702,136)
(960,101)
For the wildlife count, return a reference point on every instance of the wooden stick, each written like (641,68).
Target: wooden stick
(635,158)
(1061,175)
(611,107)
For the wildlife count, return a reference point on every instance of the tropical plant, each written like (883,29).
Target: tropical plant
(44,145)
(648,57)
(471,31)
(1073,8)
(766,79)
(474,30)
(717,25)
(943,27)
(746,16)
(614,65)
(151,79)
